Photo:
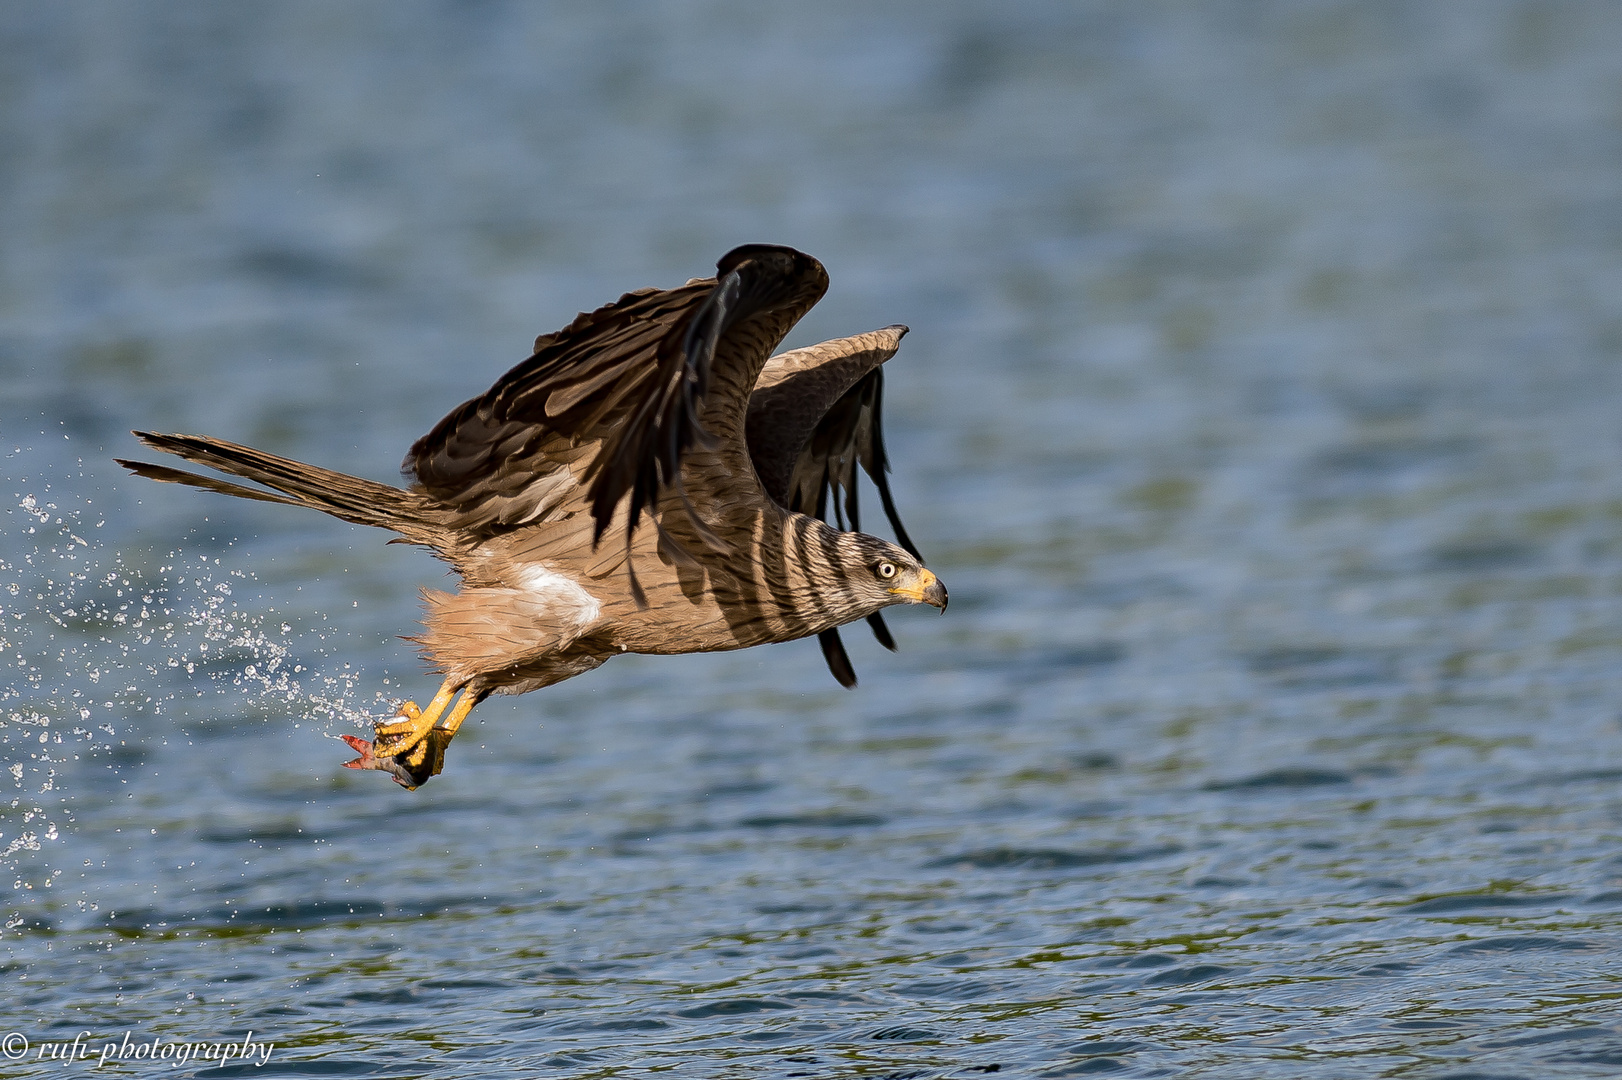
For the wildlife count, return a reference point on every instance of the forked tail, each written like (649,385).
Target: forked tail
(364,502)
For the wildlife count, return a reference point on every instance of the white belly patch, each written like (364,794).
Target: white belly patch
(561,596)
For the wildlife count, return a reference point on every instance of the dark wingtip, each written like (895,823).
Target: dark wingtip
(833,651)
(747,252)
(881,631)
(640,597)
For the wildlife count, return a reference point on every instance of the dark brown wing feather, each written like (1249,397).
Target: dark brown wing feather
(833,651)
(816,415)
(851,433)
(606,407)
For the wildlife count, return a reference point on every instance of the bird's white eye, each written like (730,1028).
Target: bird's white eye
(885,570)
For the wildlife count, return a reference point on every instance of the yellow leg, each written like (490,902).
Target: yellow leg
(414,724)
(430,753)
(458,714)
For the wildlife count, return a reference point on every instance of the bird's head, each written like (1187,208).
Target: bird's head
(883,574)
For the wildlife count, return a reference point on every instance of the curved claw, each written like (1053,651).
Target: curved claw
(409,777)
(411,748)
(404,736)
(400,738)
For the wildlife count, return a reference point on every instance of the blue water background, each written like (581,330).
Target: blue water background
(1261,411)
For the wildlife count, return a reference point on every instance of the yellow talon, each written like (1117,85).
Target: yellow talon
(431,750)
(412,747)
(407,733)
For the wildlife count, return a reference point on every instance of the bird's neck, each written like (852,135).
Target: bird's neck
(817,567)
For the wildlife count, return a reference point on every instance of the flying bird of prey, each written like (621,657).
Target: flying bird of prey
(666,405)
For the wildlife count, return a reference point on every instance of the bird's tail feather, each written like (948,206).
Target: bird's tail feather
(364,502)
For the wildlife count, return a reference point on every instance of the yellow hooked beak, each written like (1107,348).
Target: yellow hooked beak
(926,590)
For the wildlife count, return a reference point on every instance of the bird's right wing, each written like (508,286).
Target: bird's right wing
(816,414)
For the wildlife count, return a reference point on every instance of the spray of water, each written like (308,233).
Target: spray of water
(93,642)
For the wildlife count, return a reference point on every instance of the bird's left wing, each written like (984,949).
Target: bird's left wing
(816,414)
(608,406)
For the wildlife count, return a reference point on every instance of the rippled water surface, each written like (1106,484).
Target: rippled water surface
(1260,410)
